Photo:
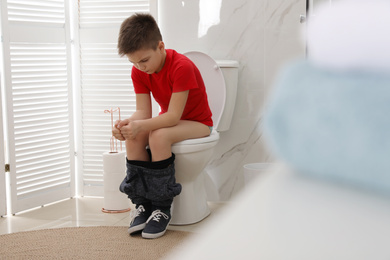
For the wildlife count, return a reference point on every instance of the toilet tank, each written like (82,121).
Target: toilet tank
(229,70)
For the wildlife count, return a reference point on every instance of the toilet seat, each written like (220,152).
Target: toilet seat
(214,136)
(196,144)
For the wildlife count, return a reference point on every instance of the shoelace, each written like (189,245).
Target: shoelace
(134,214)
(156,215)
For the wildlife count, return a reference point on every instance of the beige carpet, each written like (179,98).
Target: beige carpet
(87,243)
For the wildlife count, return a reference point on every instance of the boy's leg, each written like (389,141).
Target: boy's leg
(137,158)
(160,178)
(134,186)
(135,148)
(162,173)
(161,140)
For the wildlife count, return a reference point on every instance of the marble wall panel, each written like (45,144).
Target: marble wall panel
(261,35)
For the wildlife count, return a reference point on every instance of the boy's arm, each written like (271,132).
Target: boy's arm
(170,118)
(143,107)
(143,111)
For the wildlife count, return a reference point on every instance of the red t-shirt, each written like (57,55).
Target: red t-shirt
(178,74)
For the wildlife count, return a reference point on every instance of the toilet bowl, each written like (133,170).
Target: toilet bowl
(193,155)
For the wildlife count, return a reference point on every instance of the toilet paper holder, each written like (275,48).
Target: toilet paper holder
(113,140)
(114,170)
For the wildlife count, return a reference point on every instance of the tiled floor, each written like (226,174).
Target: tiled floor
(80,212)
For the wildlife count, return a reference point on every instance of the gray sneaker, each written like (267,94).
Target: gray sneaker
(139,219)
(156,225)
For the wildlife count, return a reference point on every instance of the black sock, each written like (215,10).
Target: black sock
(147,206)
(166,210)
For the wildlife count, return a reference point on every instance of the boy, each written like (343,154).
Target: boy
(176,84)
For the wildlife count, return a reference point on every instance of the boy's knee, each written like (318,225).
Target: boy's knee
(141,139)
(159,137)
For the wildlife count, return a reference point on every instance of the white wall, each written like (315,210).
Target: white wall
(262,35)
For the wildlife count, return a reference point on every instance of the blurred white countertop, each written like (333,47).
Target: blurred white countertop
(285,215)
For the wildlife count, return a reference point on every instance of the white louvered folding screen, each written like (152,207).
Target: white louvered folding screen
(105,82)
(36,49)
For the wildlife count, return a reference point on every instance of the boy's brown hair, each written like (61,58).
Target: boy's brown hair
(139,31)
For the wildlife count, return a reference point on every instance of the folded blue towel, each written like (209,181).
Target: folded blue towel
(332,124)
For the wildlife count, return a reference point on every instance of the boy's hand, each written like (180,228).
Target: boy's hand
(116,132)
(130,130)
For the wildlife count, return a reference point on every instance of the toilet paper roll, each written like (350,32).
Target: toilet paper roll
(114,162)
(114,171)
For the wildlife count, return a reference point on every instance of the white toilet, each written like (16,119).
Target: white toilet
(193,155)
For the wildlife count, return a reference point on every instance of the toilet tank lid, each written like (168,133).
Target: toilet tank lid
(227,63)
